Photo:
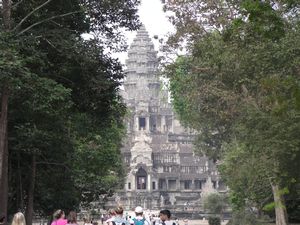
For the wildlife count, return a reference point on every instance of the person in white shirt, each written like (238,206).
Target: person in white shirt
(139,217)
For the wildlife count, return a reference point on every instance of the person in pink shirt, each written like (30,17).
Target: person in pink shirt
(59,218)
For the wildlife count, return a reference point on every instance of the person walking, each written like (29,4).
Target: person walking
(118,219)
(112,214)
(72,218)
(102,219)
(139,217)
(18,219)
(59,218)
(165,218)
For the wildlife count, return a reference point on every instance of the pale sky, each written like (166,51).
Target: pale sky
(155,21)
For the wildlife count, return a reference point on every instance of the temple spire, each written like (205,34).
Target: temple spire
(142,49)
(142,32)
(142,64)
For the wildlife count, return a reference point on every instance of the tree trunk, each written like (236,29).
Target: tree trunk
(4,184)
(29,208)
(20,187)
(6,15)
(3,128)
(280,208)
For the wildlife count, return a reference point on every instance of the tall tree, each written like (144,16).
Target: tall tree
(246,72)
(43,46)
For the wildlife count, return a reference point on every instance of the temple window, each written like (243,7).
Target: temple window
(172,184)
(153,185)
(142,123)
(162,184)
(141,183)
(198,185)
(187,184)
(141,179)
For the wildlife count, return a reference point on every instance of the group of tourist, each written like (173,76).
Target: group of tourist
(19,219)
(58,218)
(116,217)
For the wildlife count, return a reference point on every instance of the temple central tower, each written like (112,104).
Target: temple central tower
(163,171)
(142,82)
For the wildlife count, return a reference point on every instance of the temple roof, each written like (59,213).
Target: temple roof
(141,50)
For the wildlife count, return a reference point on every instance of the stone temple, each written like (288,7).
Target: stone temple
(163,171)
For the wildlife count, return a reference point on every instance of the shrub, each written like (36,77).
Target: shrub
(214,221)
(243,217)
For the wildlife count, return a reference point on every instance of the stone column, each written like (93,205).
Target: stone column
(133,182)
(128,127)
(136,123)
(163,124)
(193,185)
(217,184)
(149,182)
(206,166)
(147,123)
(172,126)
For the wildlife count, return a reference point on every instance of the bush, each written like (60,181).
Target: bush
(214,221)
(243,217)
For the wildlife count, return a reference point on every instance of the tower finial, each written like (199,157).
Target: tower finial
(143,27)
(142,32)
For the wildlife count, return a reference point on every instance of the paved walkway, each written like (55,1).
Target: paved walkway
(198,222)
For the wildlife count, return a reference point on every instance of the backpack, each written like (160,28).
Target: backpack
(114,223)
(139,222)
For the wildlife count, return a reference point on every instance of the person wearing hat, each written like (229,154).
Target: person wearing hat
(139,217)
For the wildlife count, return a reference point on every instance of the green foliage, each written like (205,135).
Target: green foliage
(64,104)
(245,177)
(214,221)
(239,87)
(39,101)
(269,206)
(243,217)
(215,203)
(11,62)
(264,20)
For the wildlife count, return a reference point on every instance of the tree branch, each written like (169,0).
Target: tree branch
(29,14)
(14,6)
(45,20)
